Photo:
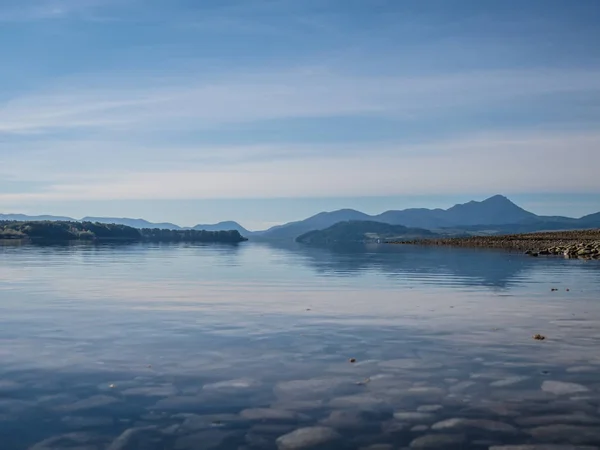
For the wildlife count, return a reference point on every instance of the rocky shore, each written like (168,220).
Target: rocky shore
(571,244)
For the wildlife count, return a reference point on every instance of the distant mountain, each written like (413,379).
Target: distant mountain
(224,226)
(362,231)
(317,222)
(495,214)
(134,223)
(26,218)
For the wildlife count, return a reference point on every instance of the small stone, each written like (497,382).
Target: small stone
(307,437)
(562,387)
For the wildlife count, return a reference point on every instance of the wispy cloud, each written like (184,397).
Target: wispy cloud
(510,163)
(41,10)
(191,103)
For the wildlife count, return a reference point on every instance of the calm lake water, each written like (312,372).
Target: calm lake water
(235,347)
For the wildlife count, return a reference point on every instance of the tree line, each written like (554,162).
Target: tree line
(94,231)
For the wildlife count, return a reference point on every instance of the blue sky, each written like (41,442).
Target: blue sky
(265,111)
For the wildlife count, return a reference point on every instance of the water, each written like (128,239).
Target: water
(230,347)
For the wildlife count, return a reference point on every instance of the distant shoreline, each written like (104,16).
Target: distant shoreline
(572,244)
(48,231)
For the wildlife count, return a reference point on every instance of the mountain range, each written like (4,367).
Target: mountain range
(134,223)
(494,215)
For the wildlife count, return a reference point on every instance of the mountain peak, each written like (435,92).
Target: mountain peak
(497,199)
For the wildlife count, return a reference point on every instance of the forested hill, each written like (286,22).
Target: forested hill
(90,231)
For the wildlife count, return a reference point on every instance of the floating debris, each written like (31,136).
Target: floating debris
(539,337)
(112,386)
(352,360)
(554,289)
(363,382)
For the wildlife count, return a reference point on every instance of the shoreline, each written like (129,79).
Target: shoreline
(570,244)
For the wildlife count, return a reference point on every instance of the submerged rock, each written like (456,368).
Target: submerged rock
(575,434)
(128,437)
(9,386)
(541,447)
(166,390)
(96,401)
(194,422)
(87,422)
(508,381)
(562,387)
(414,416)
(347,419)
(378,447)
(393,426)
(68,440)
(577,418)
(272,414)
(232,385)
(205,440)
(429,408)
(408,364)
(462,386)
(307,437)
(363,402)
(314,388)
(437,441)
(482,424)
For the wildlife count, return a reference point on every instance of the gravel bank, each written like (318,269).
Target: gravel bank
(571,244)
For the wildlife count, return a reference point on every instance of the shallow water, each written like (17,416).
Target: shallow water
(234,347)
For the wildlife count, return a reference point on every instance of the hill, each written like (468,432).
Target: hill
(224,226)
(134,223)
(59,231)
(319,221)
(362,231)
(25,218)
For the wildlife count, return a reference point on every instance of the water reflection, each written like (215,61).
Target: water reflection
(187,347)
(431,265)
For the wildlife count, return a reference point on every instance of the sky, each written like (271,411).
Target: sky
(267,111)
